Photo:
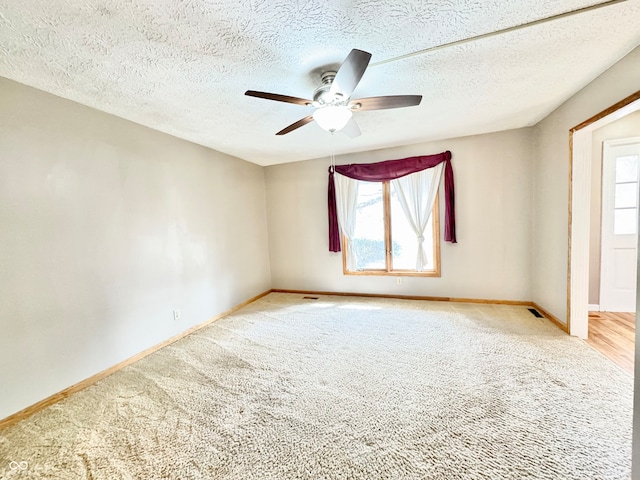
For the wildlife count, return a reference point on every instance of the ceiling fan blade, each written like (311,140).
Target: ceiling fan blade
(279,98)
(351,129)
(350,73)
(381,103)
(295,125)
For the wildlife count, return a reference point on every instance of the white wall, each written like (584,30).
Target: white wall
(551,178)
(493,211)
(626,127)
(105,228)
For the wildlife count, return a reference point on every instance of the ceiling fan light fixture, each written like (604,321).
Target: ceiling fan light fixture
(332,117)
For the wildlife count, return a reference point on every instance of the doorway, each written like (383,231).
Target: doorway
(579,212)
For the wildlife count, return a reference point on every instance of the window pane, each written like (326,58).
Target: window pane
(626,195)
(627,168)
(625,221)
(403,238)
(368,241)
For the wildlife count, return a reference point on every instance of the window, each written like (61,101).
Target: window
(384,241)
(625,218)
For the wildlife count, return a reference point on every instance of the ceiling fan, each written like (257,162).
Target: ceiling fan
(334,107)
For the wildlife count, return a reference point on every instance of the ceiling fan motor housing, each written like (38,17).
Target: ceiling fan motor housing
(321,94)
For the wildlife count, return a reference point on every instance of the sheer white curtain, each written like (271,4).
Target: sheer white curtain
(416,194)
(346,202)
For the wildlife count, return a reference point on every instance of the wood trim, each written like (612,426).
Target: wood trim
(552,318)
(394,273)
(523,303)
(67,392)
(608,111)
(408,297)
(56,397)
(345,246)
(388,239)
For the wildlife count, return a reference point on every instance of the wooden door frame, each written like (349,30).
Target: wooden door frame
(580,150)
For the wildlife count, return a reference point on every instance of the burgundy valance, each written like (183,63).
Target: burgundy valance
(390,170)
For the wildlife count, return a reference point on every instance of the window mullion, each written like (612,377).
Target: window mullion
(435,222)
(386,194)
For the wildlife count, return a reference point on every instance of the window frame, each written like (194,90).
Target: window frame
(389,271)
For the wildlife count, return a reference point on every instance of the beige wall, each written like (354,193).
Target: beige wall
(105,228)
(626,127)
(493,210)
(551,178)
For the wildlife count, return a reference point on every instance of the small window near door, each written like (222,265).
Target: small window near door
(625,215)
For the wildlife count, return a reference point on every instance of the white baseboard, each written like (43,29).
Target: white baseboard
(594,308)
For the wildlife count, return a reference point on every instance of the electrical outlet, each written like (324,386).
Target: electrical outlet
(176,315)
(399,280)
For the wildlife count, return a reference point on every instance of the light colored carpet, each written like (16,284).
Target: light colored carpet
(345,388)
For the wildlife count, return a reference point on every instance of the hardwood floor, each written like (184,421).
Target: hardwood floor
(613,334)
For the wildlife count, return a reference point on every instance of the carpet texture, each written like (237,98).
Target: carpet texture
(344,388)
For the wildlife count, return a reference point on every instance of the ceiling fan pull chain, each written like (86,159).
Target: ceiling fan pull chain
(333,154)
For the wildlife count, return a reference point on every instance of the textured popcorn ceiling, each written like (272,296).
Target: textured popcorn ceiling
(182,66)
